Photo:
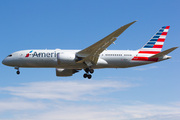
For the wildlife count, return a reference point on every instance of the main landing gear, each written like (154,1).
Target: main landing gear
(17,68)
(87,75)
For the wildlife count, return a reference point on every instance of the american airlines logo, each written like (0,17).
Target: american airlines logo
(27,55)
(41,54)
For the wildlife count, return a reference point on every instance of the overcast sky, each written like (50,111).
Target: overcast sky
(149,92)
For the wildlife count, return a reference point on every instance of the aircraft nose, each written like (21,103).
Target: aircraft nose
(4,62)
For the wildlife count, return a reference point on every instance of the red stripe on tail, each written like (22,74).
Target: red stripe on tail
(157,46)
(167,27)
(164,33)
(161,40)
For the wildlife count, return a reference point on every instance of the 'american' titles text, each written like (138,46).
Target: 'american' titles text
(43,54)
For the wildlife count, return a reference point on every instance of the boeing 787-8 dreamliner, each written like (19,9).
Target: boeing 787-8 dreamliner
(96,56)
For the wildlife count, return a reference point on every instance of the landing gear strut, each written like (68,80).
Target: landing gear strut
(87,75)
(17,68)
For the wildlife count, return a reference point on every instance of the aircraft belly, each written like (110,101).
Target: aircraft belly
(138,63)
(117,62)
(37,62)
(73,66)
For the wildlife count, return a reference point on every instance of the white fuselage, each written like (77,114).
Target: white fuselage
(48,59)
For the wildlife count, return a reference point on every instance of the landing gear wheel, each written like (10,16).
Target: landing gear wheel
(91,71)
(89,76)
(85,75)
(18,72)
(88,70)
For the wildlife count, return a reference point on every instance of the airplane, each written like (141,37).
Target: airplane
(96,56)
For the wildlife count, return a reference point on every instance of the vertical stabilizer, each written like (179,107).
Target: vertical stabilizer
(155,44)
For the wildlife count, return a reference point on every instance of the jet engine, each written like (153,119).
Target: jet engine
(66,58)
(65,72)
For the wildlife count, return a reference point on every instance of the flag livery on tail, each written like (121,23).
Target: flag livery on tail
(153,46)
(157,40)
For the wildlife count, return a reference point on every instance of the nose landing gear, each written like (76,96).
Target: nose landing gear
(17,68)
(87,75)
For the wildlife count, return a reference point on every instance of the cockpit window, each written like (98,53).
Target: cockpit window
(9,55)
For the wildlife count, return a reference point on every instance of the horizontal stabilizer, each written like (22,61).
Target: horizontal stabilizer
(163,53)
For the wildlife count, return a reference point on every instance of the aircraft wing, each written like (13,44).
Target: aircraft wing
(91,53)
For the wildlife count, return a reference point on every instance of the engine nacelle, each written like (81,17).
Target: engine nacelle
(66,58)
(101,62)
(65,72)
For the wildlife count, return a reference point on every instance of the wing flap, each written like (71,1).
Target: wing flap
(91,58)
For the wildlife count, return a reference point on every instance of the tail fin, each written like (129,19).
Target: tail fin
(155,44)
